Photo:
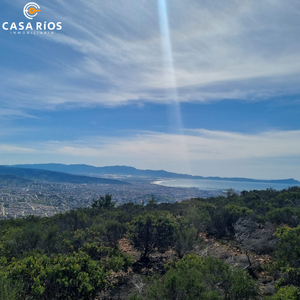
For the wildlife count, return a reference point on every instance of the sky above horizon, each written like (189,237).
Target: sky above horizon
(201,87)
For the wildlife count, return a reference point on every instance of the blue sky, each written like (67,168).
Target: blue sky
(201,87)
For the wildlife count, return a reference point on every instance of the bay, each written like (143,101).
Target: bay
(204,184)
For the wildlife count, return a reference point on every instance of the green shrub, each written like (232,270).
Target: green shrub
(194,278)
(287,293)
(10,289)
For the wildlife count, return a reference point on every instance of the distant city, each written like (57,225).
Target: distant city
(41,190)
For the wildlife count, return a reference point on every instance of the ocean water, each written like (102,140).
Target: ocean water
(204,184)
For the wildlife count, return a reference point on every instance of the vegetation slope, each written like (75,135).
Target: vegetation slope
(234,247)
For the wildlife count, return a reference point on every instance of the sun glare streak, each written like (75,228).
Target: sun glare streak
(170,78)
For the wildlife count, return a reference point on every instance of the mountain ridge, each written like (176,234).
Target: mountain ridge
(131,171)
(54,176)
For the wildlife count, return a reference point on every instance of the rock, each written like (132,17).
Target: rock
(268,289)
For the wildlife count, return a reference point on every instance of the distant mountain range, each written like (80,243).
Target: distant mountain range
(40,174)
(130,171)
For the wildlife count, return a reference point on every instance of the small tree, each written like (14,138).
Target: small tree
(114,231)
(186,237)
(223,219)
(103,202)
(150,232)
(288,254)
(288,246)
(152,202)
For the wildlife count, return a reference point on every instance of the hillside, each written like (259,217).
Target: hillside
(12,180)
(239,247)
(52,176)
(130,171)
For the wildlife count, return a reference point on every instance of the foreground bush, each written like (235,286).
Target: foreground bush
(76,275)
(193,278)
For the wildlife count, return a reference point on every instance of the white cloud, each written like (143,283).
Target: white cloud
(201,152)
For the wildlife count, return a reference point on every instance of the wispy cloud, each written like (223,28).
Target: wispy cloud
(201,145)
(15,149)
(230,50)
(14,113)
